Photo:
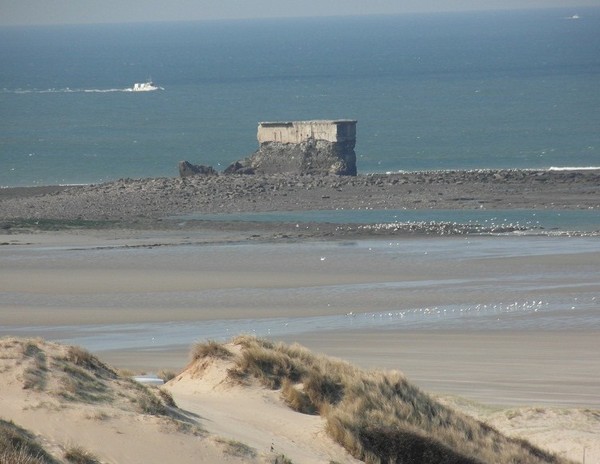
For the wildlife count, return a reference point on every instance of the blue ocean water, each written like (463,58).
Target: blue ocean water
(516,89)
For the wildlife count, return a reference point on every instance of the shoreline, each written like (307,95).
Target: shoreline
(102,261)
(141,305)
(162,204)
(561,169)
(128,200)
(142,281)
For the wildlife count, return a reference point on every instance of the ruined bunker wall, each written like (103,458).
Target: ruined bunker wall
(302,131)
(302,147)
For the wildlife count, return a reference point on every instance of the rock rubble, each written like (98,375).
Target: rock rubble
(132,200)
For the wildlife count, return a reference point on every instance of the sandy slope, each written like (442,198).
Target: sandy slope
(252,414)
(113,431)
(554,368)
(570,433)
(217,420)
(214,422)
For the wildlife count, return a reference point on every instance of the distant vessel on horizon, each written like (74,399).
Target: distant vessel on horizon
(575,16)
(148,86)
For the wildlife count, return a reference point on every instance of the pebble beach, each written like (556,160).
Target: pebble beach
(149,203)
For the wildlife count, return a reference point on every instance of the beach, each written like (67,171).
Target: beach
(80,256)
(404,300)
(506,320)
(459,268)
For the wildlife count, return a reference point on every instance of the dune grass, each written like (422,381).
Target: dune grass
(236,448)
(69,376)
(281,459)
(17,446)
(76,375)
(34,376)
(379,417)
(78,455)
(210,349)
(165,375)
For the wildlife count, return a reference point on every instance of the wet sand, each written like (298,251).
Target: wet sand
(140,302)
(101,266)
(502,320)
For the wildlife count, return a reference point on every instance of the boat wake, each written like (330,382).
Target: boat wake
(66,90)
(144,87)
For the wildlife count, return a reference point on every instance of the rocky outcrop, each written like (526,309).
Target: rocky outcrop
(154,199)
(310,157)
(187,169)
(239,167)
(318,147)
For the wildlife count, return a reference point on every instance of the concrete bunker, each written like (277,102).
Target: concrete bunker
(302,147)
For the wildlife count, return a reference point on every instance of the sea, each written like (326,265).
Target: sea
(475,90)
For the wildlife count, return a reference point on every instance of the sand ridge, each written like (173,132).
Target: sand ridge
(204,428)
(252,414)
(216,419)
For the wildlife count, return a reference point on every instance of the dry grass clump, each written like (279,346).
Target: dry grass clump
(78,455)
(210,349)
(34,375)
(83,377)
(43,365)
(81,385)
(296,398)
(378,417)
(281,459)
(17,446)
(167,398)
(166,375)
(154,401)
(86,360)
(236,448)
(149,403)
(271,367)
(64,376)
(73,374)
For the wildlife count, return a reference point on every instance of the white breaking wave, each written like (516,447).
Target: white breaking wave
(574,168)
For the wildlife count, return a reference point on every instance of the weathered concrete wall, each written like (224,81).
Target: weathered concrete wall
(302,131)
(302,147)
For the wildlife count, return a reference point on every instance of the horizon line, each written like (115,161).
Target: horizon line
(280,18)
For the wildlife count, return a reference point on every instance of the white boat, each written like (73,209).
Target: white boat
(145,87)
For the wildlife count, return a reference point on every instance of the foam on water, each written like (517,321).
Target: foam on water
(574,168)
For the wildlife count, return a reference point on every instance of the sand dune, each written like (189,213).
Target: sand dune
(67,403)
(103,418)
(252,414)
(556,365)
(68,399)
